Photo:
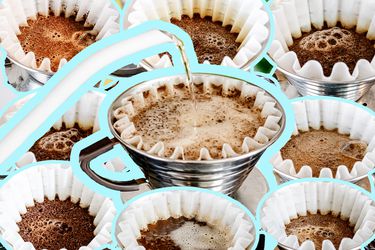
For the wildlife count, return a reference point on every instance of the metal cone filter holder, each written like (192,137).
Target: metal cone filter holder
(224,175)
(293,18)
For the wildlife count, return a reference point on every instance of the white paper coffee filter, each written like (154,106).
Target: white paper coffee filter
(297,199)
(100,14)
(294,17)
(51,181)
(247,17)
(332,114)
(205,207)
(263,101)
(84,113)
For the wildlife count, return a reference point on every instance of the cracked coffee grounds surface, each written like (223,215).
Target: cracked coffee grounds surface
(331,45)
(58,144)
(211,40)
(318,227)
(57,224)
(55,37)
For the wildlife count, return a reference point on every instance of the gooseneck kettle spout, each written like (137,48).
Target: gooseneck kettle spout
(33,118)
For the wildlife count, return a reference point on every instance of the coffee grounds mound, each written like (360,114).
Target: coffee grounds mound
(318,227)
(331,45)
(211,40)
(55,37)
(58,144)
(323,148)
(56,225)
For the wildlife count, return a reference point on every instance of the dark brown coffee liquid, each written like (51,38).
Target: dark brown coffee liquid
(211,40)
(183,233)
(56,225)
(317,227)
(323,148)
(58,144)
(55,37)
(332,45)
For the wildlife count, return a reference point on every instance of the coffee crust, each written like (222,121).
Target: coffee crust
(331,45)
(55,37)
(56,225)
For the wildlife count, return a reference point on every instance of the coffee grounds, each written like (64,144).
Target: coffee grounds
(323,148)
(56,225)
(55,37)
(331,45)
(219,119)
(58,144)
(318,227)
(211,40)
(181,234)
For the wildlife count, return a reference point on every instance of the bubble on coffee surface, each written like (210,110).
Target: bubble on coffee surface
(323,149)
(331,45)
(192,236)
(60,141)
(218,119)
(57,224)
(57,144)
(212,41)
(326,40)
(318,227)
(55,37)
(184,234)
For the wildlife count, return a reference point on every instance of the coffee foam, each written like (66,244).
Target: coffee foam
(192,236)
(340,200)
(234,224)
(53,182)
(61,142)
(101,16)
(293,19)
(247,18)
(327,40)
(347,119)
(55,37)
(212,41)
(218,120)
(323,149)
(240,110)
(317,228)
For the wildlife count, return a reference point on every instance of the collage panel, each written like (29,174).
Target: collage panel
(45,206)
(235,124)
(318,214)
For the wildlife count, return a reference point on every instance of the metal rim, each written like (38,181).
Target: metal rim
(290,248)
(200,162)
(30,70)
(319,82)
(291,177)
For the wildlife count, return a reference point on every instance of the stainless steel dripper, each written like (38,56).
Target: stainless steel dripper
(223,175)
(352,90)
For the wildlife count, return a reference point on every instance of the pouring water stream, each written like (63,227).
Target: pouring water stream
(17,131)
